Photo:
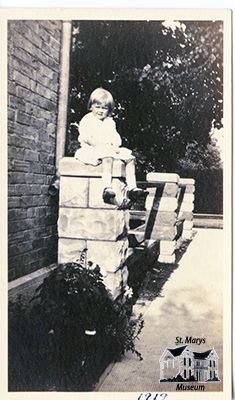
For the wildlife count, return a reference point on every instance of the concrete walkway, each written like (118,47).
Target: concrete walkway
(190,304)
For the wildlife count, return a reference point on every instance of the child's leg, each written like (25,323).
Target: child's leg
(134,193)
(130,174)
(108,193)
(107,164)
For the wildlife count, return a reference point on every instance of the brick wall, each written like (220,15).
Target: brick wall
(33,85)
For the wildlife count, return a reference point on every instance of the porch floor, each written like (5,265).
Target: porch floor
(190,304)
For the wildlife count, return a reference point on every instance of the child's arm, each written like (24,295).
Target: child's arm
(116,138)
(85,130)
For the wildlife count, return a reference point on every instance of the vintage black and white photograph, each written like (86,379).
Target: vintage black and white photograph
(119,159)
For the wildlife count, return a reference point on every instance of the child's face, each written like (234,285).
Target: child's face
(100,110)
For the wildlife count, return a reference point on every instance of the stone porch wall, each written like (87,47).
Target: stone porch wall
(86,222)
(169,215)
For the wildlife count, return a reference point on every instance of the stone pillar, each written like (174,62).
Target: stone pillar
(85,221)
(161,217)
(187,206)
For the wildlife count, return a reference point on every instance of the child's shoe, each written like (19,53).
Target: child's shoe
(136,194)
(108,195)
(125,205)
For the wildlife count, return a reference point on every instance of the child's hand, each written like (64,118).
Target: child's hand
(115,149)
(112,147)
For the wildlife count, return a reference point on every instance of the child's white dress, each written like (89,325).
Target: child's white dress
(99,139)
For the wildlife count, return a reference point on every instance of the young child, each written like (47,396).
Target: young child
(101,143)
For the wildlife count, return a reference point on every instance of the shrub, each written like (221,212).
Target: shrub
(208,189)
(70,332)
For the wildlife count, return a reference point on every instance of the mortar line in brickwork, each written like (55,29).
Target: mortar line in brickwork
(34,102)
(41,61)
(80,176)
(91,208)
(92,240)
(33,79)
(39,24)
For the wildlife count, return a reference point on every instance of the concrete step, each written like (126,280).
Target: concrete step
(208,221)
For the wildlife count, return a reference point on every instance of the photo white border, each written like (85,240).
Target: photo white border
(119,14)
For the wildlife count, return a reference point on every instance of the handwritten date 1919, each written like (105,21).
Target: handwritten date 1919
(152,396)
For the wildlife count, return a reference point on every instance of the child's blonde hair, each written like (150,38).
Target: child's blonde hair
(101,96)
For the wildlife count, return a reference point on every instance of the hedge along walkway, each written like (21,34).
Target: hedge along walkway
(190,304)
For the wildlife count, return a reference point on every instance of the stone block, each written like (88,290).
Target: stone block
(188,225)
(108,255)
(186,215)
(162,218)
(189,189)
(187,181)
(167,247)
(188,198)
(186,207)
(164,204)
(69,166)
(96,188)
(187,234)
(163,190)
(163,233)
(113,282)
(170,189)
(153,193)
(69,250)
(86,223)
(166,259)
(116,282)
(162,177)
(73,191)
(151,203)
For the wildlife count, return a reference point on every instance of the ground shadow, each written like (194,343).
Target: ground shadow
(150,276)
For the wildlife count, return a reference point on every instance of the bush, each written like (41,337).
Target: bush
(167,82)
(70,332)
(208,189)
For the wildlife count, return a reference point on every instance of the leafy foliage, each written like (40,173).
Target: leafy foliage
(201,158)
(167,80)
(71,332)
(208,189)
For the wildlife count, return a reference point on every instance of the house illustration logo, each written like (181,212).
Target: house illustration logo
(183,365)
